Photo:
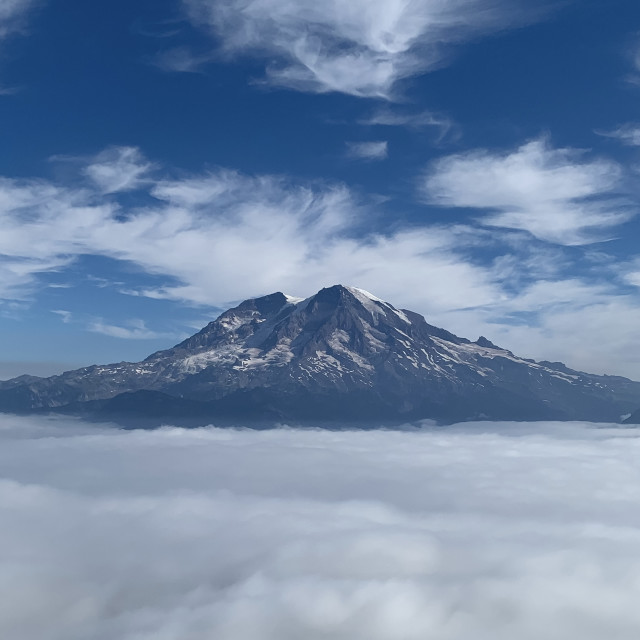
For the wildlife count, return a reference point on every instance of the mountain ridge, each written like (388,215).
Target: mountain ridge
(341,354)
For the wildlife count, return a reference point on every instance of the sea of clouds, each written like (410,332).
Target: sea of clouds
(485,531)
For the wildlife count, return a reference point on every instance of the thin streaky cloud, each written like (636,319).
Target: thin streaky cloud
(628,134)
(418,121)
(377,150)
(134,329)
(66,316)
(180,60)
(13,14)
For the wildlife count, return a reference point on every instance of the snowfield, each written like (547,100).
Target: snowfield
(486,531)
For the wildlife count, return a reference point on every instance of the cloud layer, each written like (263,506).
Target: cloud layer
(362,47)
(485,531)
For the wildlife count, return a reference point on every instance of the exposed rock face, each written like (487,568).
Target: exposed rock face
(342,355)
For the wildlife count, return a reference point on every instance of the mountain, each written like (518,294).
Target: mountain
(342,355)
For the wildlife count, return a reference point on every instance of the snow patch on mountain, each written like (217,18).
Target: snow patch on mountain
(375,305)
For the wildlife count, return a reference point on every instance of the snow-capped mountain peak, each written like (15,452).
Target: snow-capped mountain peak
(342,353)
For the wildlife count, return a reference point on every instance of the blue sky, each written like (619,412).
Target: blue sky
(473,160)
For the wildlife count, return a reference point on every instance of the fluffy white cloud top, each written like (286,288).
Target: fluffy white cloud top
(361,47)
(481,530)
(555,194)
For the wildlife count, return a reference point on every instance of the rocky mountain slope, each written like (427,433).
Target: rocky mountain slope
(341,355)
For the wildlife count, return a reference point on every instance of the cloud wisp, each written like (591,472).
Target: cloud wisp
(557,195)
(13,14)
(13,17)
(135,329)
(363,47)
(377,150)
(628,134)
(418,121)
(118,169)
(495,531)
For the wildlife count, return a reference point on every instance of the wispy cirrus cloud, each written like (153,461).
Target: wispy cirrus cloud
(628,134)
(363,47)
(417,120)
(13,14)
(66,316)
(180,60)
(118,169)
(264,233)
(377,150)
(557,195)
(134,329)
(13,18)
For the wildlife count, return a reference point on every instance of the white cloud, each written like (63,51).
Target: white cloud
(361,47)
(485,531)
(591,326)
(180,60)
(118,169)
(12,13)
(263,233)
(412,120)
(628,134)
(135,329)
(368,150)
(66,316)
(555,194)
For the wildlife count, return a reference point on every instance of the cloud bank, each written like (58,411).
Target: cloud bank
(361,47)
(486,531)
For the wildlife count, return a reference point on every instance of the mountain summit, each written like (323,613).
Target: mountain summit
(341,355)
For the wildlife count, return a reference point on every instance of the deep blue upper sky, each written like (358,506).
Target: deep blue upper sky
(474,160)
